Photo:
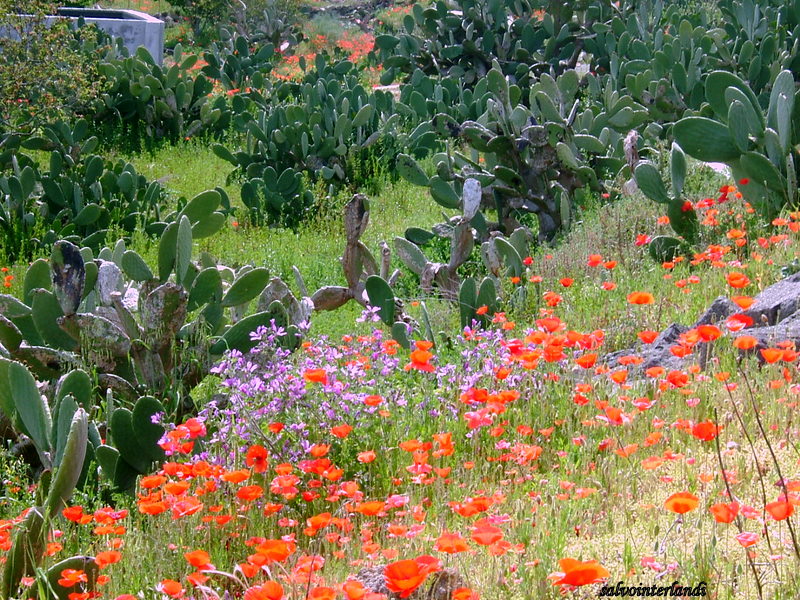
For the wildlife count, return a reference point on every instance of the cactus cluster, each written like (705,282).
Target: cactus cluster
(236,63)
(461,39)
(369,282)
(681,213)
(30,539)
(527,160)
(150,101)
(310,129)
(112,313)
(78,197)
(462,240)
(758,142)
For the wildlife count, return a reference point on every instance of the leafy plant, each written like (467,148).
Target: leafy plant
(115,316)
(759,145)
(47,72)
(79,198)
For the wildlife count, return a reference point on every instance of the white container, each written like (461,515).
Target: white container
(135,28)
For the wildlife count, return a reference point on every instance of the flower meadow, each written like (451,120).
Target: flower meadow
(518,455)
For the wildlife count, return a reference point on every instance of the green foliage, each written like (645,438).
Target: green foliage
(308,129)
(463,38)
(527,160)
(236,63)
(140,342)
(29,543)
(46,72)
(756,138)
(79,198)
(151,102)
(204,14)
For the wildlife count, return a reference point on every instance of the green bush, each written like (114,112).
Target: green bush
(46,72)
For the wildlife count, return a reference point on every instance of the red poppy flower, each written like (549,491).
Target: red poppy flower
(486,535)
(780,510)
(681,502)
(405,576)
(705,431)
(256,458)
(640,298)
(578,573)
(724,513)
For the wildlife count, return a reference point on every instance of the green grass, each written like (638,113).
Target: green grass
(315,248)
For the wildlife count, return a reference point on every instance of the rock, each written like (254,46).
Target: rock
(777,302)
(787,330)
(374,581)
(438,586)
(720,309)
(776,316)
(656,354)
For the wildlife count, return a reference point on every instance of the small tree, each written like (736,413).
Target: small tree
(48,71)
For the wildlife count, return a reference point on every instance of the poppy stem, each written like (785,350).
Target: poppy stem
(738,517)
(774,458)
(755,457)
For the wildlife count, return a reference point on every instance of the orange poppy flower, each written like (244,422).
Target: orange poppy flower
(199,559)
(737,280)
(271,590)
(341,431)
(171,588)
(724,513)
(316,376)
(405,576)
(771,355)
(745,342)
(578,573)
(420,360)
(619,376)
(681,502)
(321,593)
(72,577)
(250,493)
(370,509)
(780,510)
(647,337)
(451,543)
(354,589)
(236,476)
(640,298)
(108,557)
(276,550)
(743,302)
(708,333)
(367,456)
